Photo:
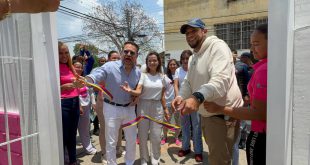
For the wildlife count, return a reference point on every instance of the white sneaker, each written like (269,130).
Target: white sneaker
(120,152)
(155,161)
(92,151)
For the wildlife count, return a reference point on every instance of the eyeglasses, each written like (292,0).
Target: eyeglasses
(132,53)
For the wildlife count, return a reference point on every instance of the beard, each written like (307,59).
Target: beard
(193,44)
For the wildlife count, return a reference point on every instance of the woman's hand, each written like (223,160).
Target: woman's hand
(167,114)
(81,111)
(67,86)
(134,100)
(213,107)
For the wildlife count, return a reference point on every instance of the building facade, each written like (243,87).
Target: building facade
(231,20)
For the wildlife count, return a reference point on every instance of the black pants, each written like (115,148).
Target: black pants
(96,124)
(70,119)
(256,148)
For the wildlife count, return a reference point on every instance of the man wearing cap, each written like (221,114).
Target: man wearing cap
(210,77)
(242,73)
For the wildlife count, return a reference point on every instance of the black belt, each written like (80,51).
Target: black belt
(220,116)
(116,104)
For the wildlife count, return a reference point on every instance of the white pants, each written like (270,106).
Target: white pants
(114,117)
(99,111)
(152,108)
(83,129)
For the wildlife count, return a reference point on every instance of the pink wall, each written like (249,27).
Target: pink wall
(15,132)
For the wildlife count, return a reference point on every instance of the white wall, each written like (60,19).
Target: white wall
(301,94)
(30,85)
(288,83)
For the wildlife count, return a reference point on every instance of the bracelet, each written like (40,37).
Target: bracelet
(8,13)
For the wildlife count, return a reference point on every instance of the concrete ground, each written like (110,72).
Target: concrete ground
(169,155)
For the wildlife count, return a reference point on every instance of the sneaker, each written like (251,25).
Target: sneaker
(92,151)
(198,157)
(163,141)
(137,141)
(182,153)
(120,151)
(178,142)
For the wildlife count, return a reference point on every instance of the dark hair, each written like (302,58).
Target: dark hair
(234,51)
(158,69)
(263,28)
(169,74)
(184,53)
(110,53)
(74,58)
(131,43)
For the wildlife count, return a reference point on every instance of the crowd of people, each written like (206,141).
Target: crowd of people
(210,94)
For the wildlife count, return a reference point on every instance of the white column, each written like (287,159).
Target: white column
(280,81)
(46,71)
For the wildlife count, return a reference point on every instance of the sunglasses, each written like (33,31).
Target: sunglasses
(132,53)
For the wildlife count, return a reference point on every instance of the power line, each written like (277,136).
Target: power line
(82,15)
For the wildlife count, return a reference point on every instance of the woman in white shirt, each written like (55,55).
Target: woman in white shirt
(151,90)
(169,95)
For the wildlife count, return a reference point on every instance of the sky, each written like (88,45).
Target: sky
(70,26)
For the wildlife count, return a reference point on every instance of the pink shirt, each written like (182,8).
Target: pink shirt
(257,89)
(66,76)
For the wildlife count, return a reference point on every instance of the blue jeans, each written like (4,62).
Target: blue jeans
(70,109)
(235,157)
(187,121)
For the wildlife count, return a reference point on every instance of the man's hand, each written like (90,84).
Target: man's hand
(185,106)
(79,82)
(213,107)
(191,105)
(178,103)
(126,87)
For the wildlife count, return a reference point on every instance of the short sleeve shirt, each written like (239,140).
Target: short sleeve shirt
(152,86)
(257,89)
(180,74)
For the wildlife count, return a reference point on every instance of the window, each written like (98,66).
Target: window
(237,34)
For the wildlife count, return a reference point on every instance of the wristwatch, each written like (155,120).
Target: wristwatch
(199,96)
